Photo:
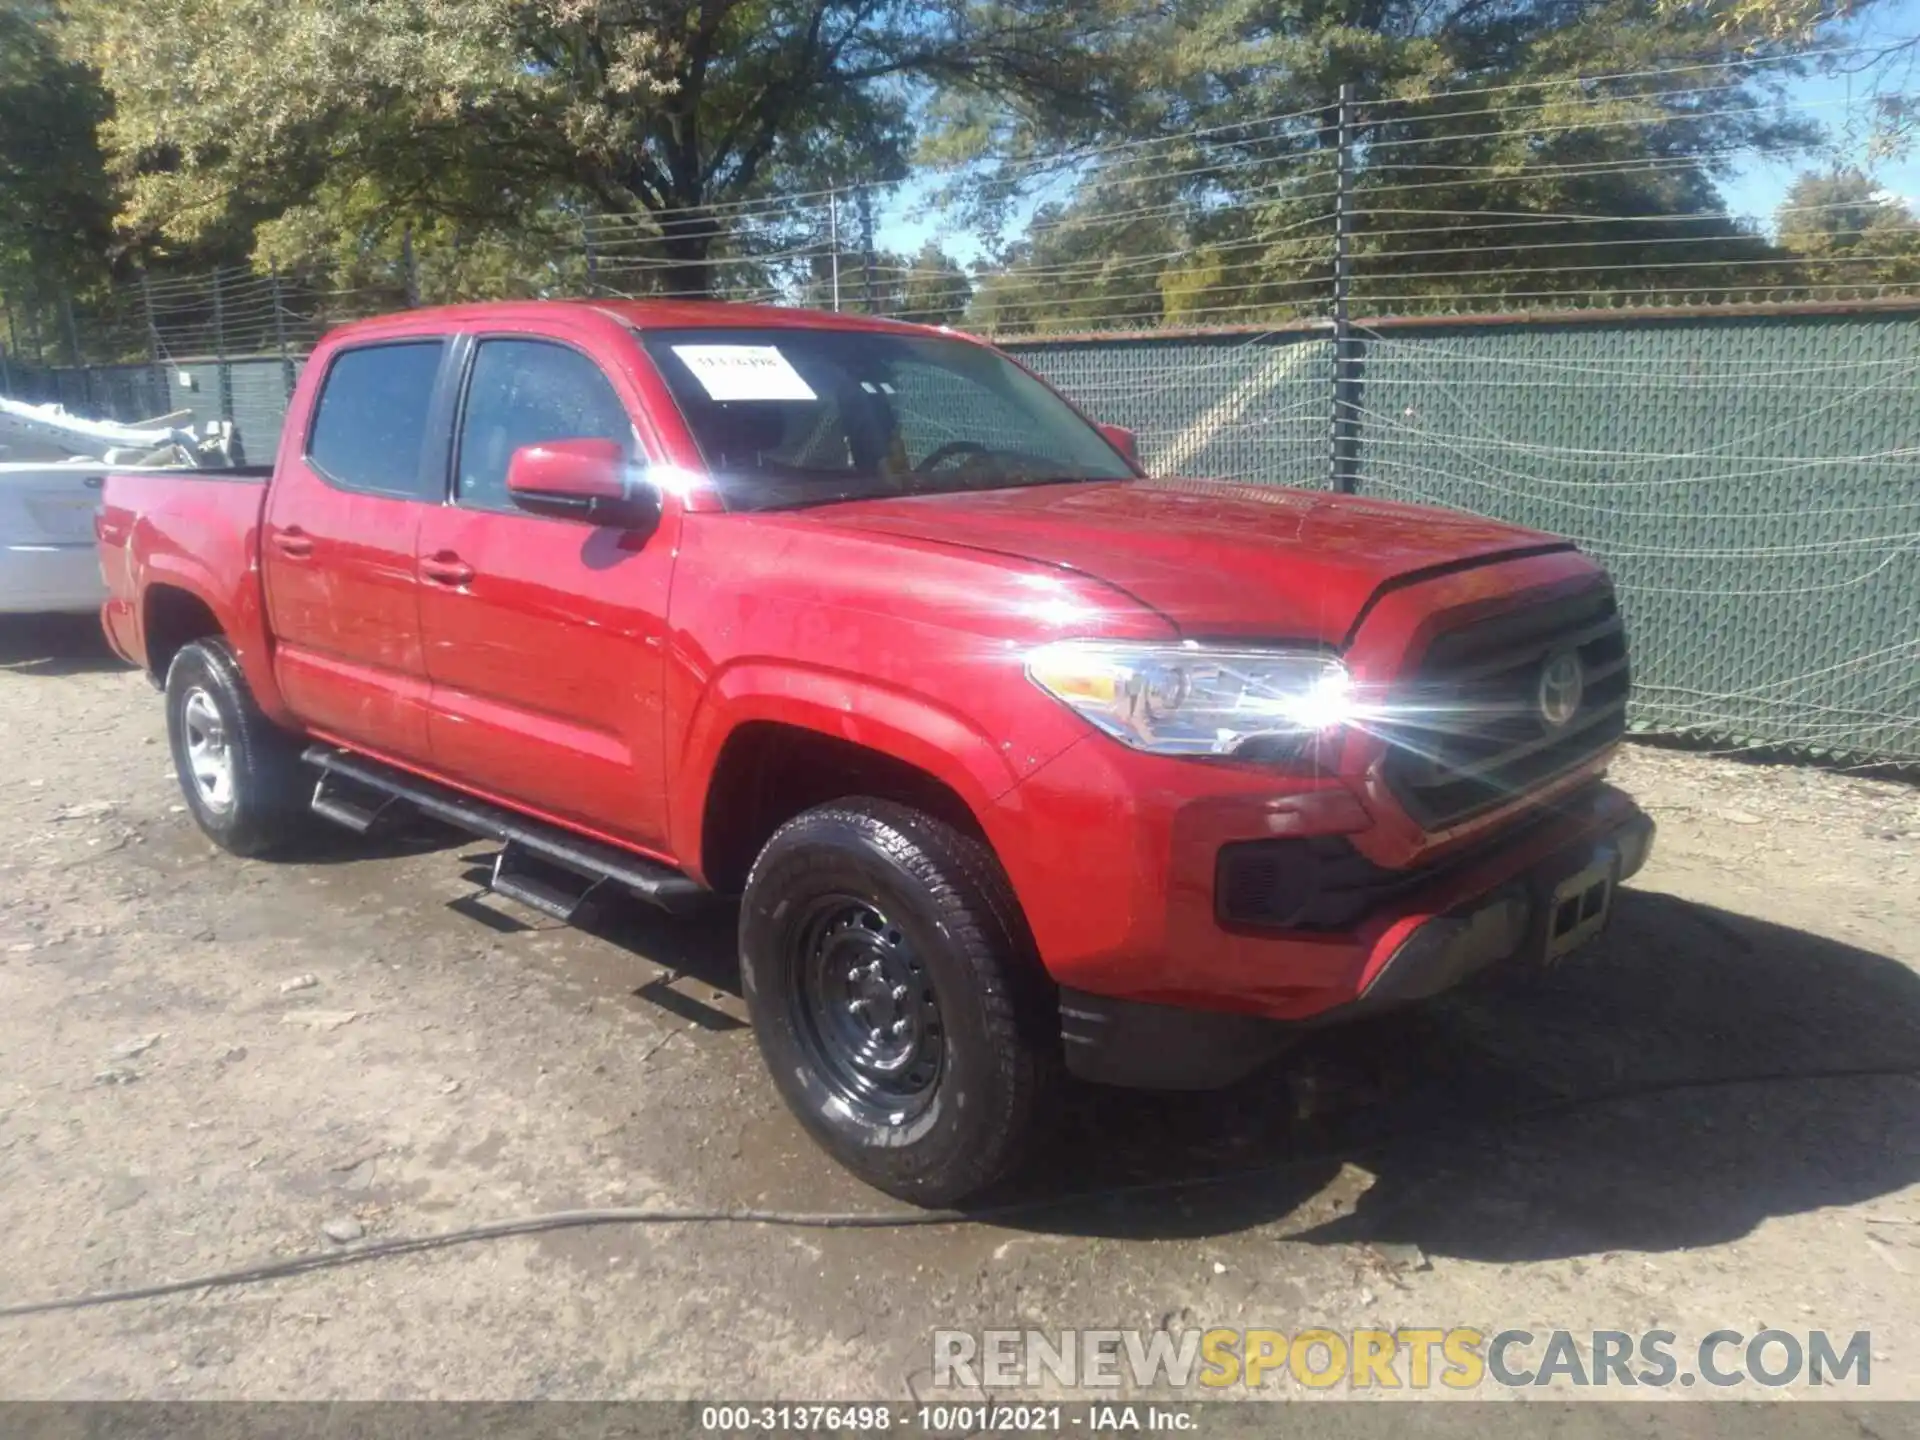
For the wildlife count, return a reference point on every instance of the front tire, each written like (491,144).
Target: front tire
(897,999)
(240,773)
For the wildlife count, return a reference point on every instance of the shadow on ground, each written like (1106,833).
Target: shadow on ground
(696,949)
(55,645)
(1549,1115)
(1673,1086)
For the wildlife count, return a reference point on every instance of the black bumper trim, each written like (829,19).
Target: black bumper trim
(1163,1047)
(1497,926)
(1449,948)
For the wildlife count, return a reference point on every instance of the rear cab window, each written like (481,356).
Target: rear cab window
(370,423)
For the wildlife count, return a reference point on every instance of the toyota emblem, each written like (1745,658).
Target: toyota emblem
(1561,684)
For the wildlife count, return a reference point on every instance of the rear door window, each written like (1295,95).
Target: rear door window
(371,423)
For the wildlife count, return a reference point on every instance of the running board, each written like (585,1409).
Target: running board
(513,879)
(653,882)
(347,803)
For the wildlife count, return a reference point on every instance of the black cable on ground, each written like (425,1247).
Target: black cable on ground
(905,1219)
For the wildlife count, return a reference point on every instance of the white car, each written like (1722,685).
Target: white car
(48,562)
(53,468)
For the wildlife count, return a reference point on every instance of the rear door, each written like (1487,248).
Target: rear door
(343,514)
(545,638)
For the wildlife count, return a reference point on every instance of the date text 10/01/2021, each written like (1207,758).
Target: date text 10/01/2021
(946,1419)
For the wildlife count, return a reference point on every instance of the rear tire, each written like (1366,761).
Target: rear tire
(239,772)
(897,998)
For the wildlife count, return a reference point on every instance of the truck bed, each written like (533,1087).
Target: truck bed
(195,530)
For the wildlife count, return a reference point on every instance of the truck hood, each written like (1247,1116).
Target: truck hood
(1215,558)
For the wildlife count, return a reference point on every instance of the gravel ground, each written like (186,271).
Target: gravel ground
(205,1062)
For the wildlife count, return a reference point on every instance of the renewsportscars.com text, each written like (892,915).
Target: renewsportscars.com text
(1460,1358)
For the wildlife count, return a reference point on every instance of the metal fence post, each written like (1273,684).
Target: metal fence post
(73,330)
(223,373)
(1344,447)
(280,333)
(866,243)
(833,243)
(164,397)
(74,357)
(407,264)
(593,260)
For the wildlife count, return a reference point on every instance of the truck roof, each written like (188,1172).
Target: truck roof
(640,314)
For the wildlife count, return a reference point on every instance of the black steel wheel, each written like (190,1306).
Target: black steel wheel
(870,1019)
(897,1000)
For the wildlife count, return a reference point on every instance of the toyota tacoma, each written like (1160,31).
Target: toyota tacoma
(1021,763)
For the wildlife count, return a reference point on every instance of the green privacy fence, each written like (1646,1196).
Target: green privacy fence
(251,391)
(1751,479)
(1252,407)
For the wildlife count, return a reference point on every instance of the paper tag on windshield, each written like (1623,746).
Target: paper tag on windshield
(744,372)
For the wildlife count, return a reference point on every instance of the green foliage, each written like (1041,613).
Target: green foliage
(933,289)
(1481,161)
(1850,231)
(56,206)
(330,124)
(930,288)
(502,140)
(1090,263)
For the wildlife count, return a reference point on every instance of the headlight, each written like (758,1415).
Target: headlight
(1195,699)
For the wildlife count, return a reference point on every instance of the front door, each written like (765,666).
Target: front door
(544,638)
(337,548)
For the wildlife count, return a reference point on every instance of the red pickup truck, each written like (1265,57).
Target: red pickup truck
(1021,762)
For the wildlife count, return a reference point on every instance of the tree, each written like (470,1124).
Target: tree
(335,121)
(934,290)
(1488,168)
(1092,262)
(1850,231)
(1775,19)
(929,288)
(56,204)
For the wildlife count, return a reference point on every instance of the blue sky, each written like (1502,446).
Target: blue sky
(1840,98)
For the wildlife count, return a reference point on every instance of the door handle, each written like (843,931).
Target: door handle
(293,541)
(446,568)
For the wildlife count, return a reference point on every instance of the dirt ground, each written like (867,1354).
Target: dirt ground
(178,1097)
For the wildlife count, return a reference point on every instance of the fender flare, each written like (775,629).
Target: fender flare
(905,726)
(238,611)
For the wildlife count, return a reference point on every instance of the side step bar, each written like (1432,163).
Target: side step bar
(658,884)
(358,807)
(514,879)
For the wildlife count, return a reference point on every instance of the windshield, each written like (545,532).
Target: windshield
(803,417)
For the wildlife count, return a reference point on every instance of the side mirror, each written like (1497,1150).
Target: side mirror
(1123,440)
(589,480)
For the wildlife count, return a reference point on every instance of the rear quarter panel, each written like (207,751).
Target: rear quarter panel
(195,531)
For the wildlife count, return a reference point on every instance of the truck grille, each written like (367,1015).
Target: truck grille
(1502,706)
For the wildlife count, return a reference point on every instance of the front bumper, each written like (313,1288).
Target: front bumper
(1502,908)
(50,579)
